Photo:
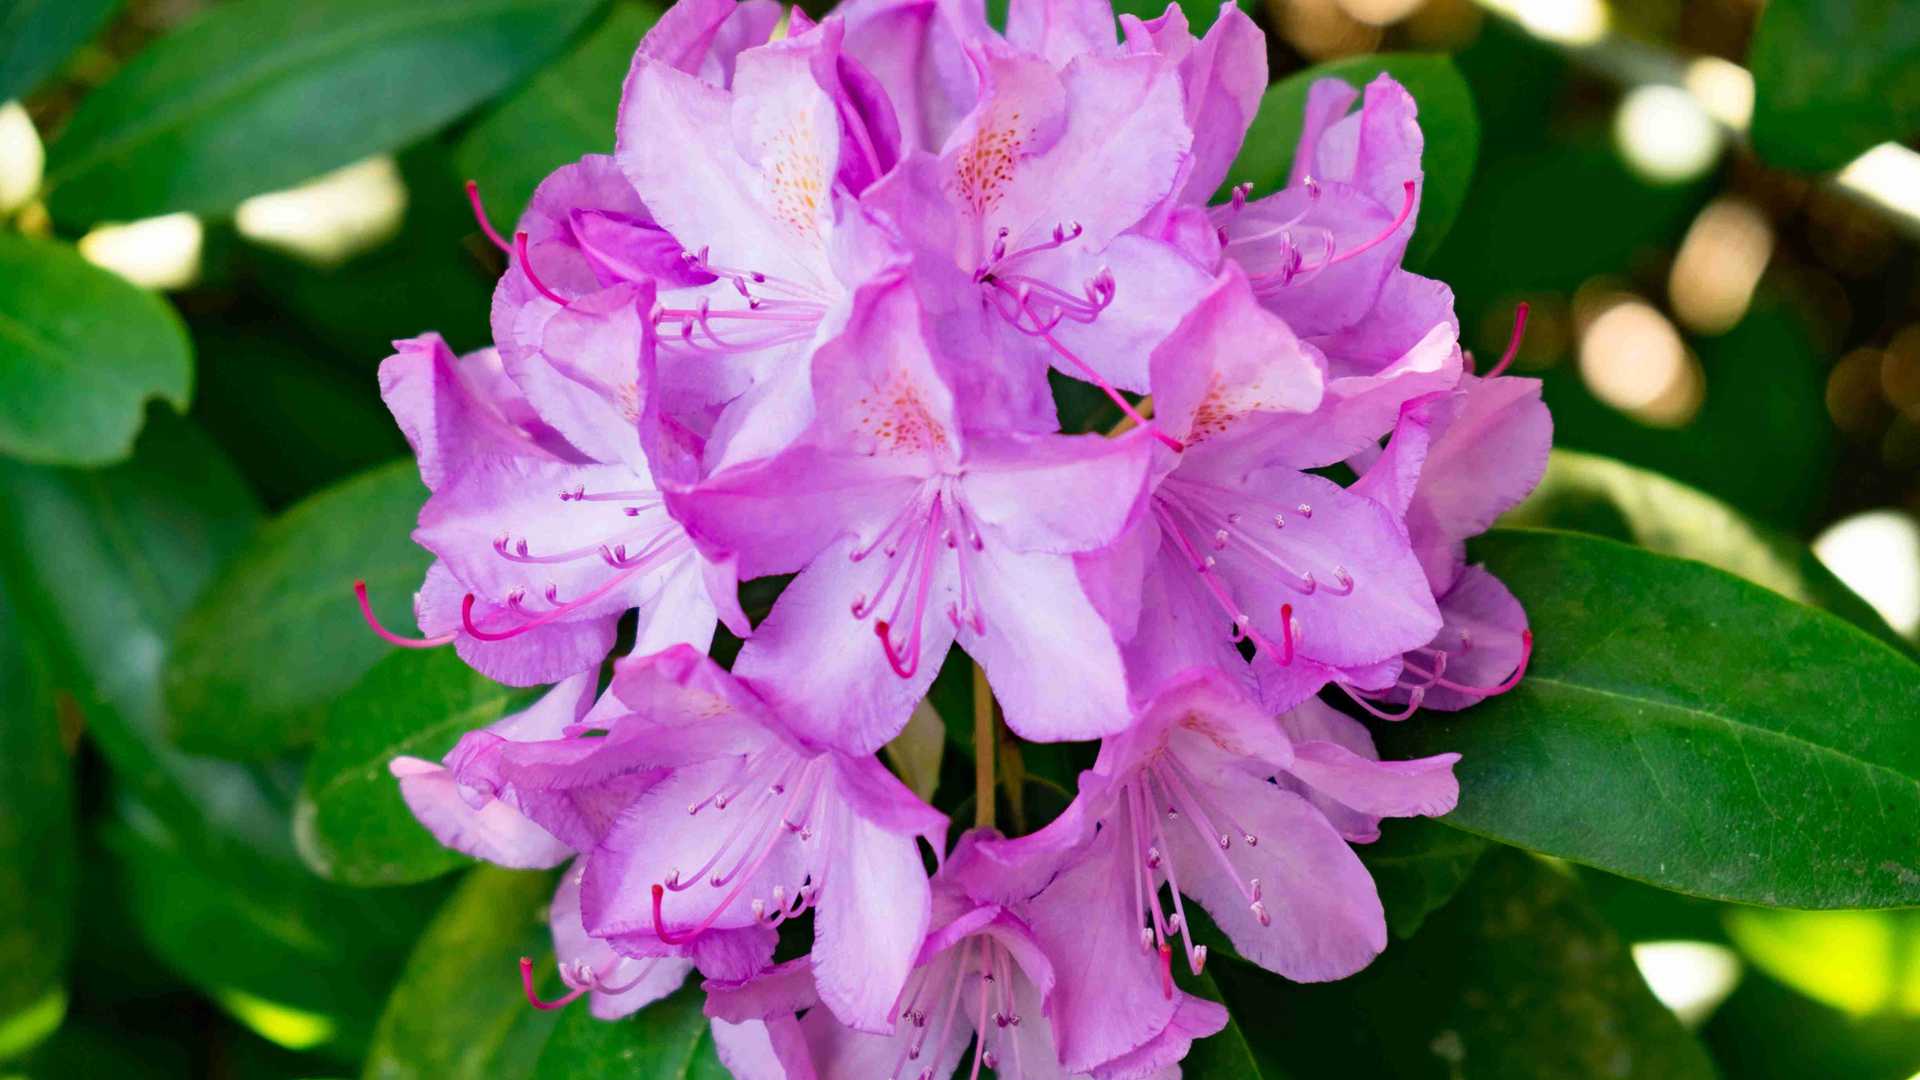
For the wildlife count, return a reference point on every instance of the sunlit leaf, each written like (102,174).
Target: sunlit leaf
(261,95)
(350,822)
(1860,962)
(1692,730)
(1590,493)
(278,636)
(81,352)
(457,1012)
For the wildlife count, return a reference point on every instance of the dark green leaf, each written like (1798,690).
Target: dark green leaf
(81,351)
(1590,493)
(303,963)
(263,94)
(562,114)
(1516,977)
(1833,77)
(667,1040)
(350,823)
(278,636)
(36,839)
(1418,865)
(1692,730)
(292,419)
(101,565)
(36,35)
(457,1012)
(1447,119)
(1226,1054)
(1765,1031)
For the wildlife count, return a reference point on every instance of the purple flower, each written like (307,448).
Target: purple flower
(981,980)
(1458,461)
(1239,541)
(544,515)
(699,816)
(1020,227)
(1185,798)
(912,532)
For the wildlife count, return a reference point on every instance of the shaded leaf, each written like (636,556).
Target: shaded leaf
(1765,1031)
(1692,730)
(563,113)
(350,822)
(278,636)
(1417,865)
(667,1040)
(1226,1054)
(37,863)
(1447,119)
(1590,493)
(36,35)
(915,754)
(1832,78)
(81,352)
(1517,976)
(457,1012)
(261,95)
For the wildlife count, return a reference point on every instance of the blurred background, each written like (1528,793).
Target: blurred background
(1749,331)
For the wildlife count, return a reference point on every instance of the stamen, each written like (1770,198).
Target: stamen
(1513,343)
(1413,704)
(526,267)
(533,996)
(555,613)
(1406,211)
(480,215)
(1511,681)
(391,638)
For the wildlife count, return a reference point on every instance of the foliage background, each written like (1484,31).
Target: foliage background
(204,870)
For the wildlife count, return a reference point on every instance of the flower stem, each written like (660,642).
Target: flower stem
(983,742)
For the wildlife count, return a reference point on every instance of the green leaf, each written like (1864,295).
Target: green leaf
(350,822)
(1226,1054)
(1860,962)
(1418,865)
(36,35)
(100,565)
(1832,78)
(668,1040)
(1589,493)
(279,636)
(1517,976)
(37,866)
(457,1012)
(263,94)
(1765,1031)
(303,963)
(1691,730)
(563,113)
(81,351)
(1447,119)
(293,418)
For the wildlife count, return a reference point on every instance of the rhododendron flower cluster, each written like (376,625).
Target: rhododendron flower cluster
(806,320)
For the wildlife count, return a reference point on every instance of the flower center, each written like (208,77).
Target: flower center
(1208,523)
(1163,793)
(933,521)
(974,976)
